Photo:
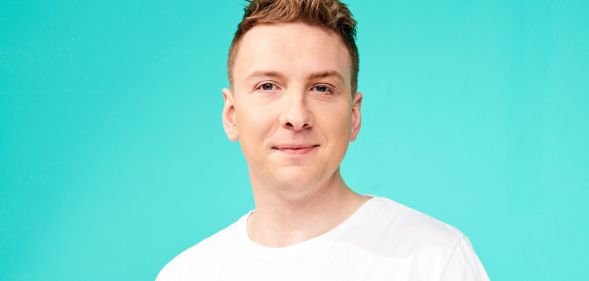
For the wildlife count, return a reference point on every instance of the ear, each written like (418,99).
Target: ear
(229,123)
(356,116)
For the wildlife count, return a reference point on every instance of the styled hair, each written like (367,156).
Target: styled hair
(330,14)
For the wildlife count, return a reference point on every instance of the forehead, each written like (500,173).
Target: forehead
(291,49)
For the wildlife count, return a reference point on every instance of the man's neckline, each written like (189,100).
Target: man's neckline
(300,247)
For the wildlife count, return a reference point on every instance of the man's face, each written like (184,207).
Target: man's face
(292,109)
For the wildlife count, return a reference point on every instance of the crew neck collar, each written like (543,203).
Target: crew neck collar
(297,249)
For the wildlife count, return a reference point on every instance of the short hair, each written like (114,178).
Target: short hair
(331,14)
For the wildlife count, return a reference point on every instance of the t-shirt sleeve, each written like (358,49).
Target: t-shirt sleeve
(464,265)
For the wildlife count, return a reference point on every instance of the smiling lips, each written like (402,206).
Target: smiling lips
(295,149)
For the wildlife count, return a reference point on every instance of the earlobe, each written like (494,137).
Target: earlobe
(229,120)
(356,116)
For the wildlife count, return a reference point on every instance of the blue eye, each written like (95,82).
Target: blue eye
(322,89)
(267,87)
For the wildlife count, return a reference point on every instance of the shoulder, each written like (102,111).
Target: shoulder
(464,264)
(201,260)
(396,232)
(409,223)
(393,229)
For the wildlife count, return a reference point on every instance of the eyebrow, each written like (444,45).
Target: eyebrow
(315,75)
(324,74)
(264,73)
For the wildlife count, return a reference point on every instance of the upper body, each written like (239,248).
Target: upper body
(294,107)
(382,240)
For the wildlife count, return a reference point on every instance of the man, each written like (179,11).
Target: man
(293,107)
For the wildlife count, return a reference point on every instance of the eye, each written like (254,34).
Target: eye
(266,87)
(323,89)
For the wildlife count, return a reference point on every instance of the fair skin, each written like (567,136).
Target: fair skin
(292,110)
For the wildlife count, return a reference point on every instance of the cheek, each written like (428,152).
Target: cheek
(338,124)
(254,124)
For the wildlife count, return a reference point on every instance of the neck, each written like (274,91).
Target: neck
(285,216)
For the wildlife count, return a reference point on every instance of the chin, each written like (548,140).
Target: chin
(294,178)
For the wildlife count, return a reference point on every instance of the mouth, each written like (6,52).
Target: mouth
(294,149)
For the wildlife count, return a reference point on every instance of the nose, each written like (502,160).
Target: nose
(296,115)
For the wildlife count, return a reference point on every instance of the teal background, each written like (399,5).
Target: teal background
(113,158)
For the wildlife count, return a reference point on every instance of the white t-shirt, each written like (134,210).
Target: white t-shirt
(382,240)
